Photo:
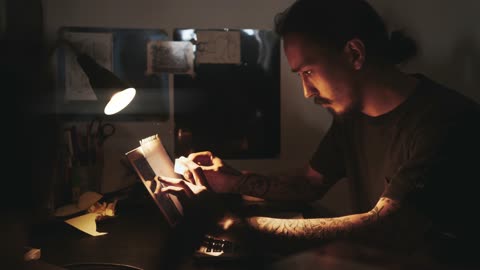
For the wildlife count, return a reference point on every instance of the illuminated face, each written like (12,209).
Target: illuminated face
(327,75)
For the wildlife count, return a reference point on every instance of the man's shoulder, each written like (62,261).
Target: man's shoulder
(440,102)
(439,94)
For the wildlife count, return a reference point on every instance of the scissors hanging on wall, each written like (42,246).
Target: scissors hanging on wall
(99,132)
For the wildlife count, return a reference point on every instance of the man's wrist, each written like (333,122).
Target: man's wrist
(252,184)
(237,181)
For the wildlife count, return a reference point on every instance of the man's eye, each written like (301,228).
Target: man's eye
(304,73)
(307,73)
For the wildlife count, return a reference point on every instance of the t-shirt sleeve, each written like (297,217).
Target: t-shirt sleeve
(328,158)
(439,155)
(413,174)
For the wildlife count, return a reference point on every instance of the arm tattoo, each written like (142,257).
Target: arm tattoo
(254,185)
(278,187)
(373,215)
(326,228)
(394,205)
(308,229)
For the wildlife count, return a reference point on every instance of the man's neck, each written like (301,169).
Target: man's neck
(384,90)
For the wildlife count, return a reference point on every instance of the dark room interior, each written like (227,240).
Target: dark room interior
(92,189)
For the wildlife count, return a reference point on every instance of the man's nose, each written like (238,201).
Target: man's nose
(308,90)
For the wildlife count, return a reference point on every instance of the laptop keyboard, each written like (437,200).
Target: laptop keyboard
(213,246)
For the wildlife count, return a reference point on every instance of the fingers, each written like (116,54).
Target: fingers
(214,164)
(219,166)
(177,191)
(208,162)
(198,176)
(157,186)
(193,172)
(202,158)
(182,169)
(197,173)
(168,180)
(148,184)
(191,189)
(189,176)
(172,189)
(174,185)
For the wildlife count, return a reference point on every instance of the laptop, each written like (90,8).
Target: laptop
(151,159)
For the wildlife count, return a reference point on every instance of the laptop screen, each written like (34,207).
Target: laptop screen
(149,160)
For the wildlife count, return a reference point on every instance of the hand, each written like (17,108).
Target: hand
(201,211)
(196,200)
(210,170)
(185,191)
(180,187)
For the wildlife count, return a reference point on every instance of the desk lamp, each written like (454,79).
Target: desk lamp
(111,92)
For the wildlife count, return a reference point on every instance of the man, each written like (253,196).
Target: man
(408,145)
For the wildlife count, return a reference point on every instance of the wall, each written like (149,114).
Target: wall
(446,33)
(449,37)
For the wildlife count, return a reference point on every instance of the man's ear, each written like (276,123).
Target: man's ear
(355,51)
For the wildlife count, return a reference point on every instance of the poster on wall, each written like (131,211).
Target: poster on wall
(169,56)
(218,47)
(99,46)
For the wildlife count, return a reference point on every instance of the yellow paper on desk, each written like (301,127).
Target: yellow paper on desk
(86,223)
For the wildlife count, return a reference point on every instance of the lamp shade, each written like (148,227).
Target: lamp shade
(113,93)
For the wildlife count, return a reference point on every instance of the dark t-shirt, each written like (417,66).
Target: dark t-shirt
(424,153)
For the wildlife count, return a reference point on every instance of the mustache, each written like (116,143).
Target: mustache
(321,101)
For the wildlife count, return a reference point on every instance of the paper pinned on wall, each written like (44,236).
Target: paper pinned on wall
(218,47)
(169,56)
(99,46)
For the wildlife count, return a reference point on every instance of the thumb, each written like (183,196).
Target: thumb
(175,190)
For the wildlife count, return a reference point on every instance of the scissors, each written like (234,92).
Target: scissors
(99,132)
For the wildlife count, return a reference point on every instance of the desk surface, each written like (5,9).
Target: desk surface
(140,237)
(136,238)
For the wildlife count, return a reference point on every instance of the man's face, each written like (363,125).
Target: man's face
(326,74)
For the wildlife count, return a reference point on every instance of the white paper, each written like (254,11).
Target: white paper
(86,223)
(98,46)
(218,47)
(169,56)
(157,157)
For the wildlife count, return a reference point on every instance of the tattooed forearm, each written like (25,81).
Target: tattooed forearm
(325,228)
(309,229)
(254,185)
(278,187)
(392,206)
(373,215)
